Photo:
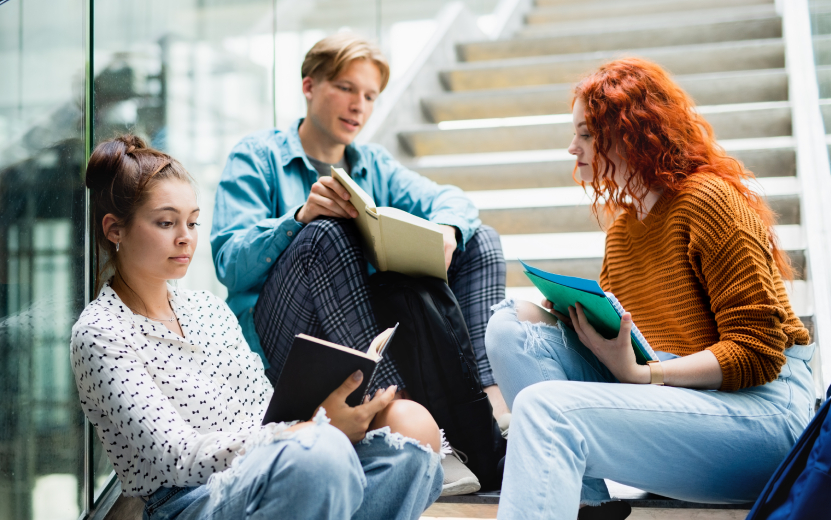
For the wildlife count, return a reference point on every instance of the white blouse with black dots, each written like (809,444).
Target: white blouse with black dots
(170,411)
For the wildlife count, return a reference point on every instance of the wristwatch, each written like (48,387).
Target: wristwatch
(656,373)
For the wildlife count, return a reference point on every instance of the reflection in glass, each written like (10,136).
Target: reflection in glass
(190,76)
(41,257)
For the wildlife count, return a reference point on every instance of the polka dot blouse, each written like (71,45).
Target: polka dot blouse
(169,411)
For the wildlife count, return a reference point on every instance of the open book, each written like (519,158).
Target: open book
(315,368)
(395,240)
(602,308)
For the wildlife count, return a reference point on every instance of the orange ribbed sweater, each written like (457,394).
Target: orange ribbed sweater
(696,274)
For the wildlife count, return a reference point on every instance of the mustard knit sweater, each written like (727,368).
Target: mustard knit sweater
(696,274)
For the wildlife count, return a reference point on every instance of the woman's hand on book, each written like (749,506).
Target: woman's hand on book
(547,305)
(354,422)
(328,198)
(616,354)
(449,233)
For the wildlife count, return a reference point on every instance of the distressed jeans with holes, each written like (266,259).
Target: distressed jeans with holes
(316,473)
(574,425)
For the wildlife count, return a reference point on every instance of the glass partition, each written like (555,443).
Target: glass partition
(42,220)
(190,76)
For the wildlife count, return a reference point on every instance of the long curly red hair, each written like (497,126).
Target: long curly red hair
(663,140)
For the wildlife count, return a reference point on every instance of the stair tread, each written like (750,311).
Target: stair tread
(561,154)
(612,23)
(609,54)
(577,196)
(537,99)
(590,244)
(546,119)
(681,31)
(730,121)
(579,11)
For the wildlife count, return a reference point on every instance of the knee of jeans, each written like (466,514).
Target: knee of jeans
(329,463)
(502,334)
(531,401)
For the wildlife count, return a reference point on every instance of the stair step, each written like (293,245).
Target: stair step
(752,86)
(554,168)
(681,32)
(580,254)
(566,68)
(645,20)
(770,187)
(738,121)
(546,210)
(591,10)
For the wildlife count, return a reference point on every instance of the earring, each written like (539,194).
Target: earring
(117,244)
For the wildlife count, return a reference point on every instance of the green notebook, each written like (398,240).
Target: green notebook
(601,308)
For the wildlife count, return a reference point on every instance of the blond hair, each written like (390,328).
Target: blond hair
(332,54)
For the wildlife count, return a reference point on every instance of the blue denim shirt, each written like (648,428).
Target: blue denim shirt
(266,180)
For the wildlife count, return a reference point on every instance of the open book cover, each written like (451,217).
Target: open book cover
(602,308)
(315,368)
(395,240)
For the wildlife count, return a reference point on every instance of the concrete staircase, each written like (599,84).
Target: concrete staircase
(501,127)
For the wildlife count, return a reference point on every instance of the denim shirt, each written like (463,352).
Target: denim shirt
(268,178)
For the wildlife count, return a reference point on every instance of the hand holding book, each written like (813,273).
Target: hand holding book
(327,198)
(616,353)
(602,309)
(313,376)
(354,421)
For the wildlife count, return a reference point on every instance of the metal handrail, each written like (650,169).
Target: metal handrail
(814,174)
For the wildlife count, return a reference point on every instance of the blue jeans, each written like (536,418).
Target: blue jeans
(316,474)
(574,425)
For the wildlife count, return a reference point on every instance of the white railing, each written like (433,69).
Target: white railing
(814,174)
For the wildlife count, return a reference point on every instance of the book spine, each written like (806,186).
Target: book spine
(371,381)
(377,227)
(639,338)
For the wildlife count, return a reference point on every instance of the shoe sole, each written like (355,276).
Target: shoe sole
(463,486)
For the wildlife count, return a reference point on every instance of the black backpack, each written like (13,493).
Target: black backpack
(435,358)
(800,487)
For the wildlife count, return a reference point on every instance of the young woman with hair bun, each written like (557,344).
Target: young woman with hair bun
(692,254)
(177,397)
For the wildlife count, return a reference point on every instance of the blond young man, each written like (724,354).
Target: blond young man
(282,237)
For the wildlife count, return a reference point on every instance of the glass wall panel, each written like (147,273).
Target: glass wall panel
(190,76)
(41,257)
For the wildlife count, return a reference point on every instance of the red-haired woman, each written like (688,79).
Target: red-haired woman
(693,256)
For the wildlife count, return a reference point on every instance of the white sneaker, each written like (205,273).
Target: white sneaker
(458,479)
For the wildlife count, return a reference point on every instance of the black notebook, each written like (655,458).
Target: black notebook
(315,368)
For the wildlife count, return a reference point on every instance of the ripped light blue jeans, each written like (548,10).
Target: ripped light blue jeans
(574,424)
(317,474)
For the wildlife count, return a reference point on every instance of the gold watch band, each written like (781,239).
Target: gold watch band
(656,373)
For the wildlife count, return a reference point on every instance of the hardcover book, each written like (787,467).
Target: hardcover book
(315,368)
(394,240)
